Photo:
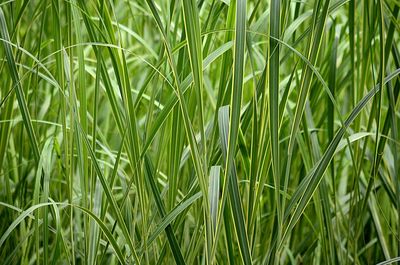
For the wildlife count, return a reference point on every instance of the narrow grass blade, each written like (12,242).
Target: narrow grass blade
(273,67)
(233,189)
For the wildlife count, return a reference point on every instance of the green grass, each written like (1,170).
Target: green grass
(199,132)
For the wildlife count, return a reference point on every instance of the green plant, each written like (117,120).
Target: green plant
(199,132)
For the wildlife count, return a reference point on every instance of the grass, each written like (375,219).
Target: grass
(199,132)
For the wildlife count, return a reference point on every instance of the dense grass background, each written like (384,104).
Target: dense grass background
(199,132)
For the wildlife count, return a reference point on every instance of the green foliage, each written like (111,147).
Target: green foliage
(199,132)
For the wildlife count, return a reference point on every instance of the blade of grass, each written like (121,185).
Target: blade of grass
(233,189)
(274,106)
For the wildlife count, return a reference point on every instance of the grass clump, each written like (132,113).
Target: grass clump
(199,132)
